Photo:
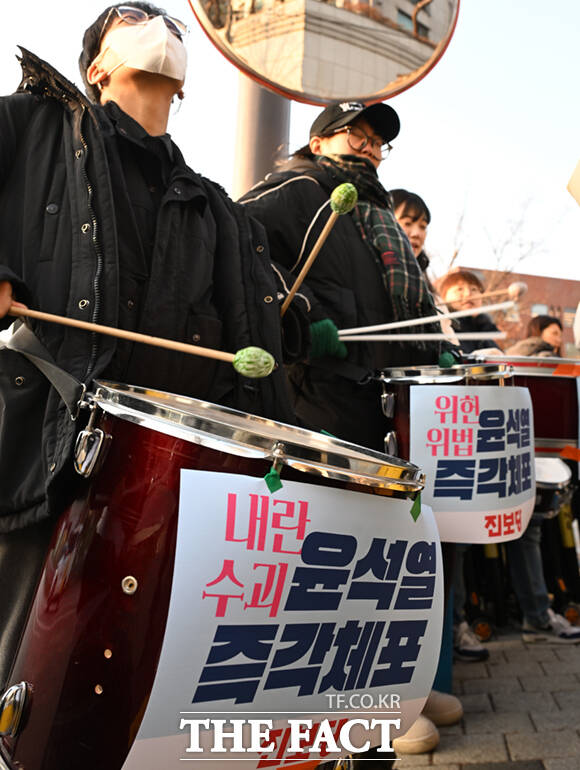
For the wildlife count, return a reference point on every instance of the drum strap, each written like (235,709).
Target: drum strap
(25,342)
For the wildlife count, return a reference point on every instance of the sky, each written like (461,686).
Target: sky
(489,138)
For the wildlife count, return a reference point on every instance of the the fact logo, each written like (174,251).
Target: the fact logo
(253,735)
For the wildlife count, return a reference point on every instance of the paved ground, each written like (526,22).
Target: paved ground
(522,711)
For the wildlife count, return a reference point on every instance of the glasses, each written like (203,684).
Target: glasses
(130,15)
(357,140)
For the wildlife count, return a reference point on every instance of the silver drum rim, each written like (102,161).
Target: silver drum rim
(534,366)
(246,435)
(433,375)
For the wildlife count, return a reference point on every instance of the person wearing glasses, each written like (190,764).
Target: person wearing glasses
(102,220)
(365,274)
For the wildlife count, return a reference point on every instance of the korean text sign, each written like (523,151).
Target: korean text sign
(282,600)
(476,447)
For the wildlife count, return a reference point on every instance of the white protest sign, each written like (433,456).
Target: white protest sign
(309,603)
(476,448)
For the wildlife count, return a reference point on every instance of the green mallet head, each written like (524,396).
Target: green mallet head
(447,359)
(254,362)
(343,198)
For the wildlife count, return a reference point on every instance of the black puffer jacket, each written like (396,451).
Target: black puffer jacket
(344,278)
(349,289)
(210,277)
(478,323)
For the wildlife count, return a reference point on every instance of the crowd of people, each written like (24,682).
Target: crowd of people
(103,220)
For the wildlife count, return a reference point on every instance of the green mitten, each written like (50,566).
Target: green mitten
(324,340)
(449,358)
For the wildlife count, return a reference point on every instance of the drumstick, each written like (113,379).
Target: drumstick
(251,361)
(425,336)
(425,320)
(342,200)
(514,291)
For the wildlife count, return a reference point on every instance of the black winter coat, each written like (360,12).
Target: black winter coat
(476,323)
(348,288)
(210,279)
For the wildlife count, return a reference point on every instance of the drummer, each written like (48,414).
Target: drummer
(365,274)
(102,220)
(460,289)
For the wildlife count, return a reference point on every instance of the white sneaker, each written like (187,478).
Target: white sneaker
(420,738)
(558,631)
(466,645)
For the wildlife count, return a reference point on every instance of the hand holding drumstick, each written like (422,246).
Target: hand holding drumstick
(6,301)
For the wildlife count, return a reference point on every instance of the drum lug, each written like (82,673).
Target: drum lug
(90,447)
(388,404)
(391,444)
(12,703)
(278,453)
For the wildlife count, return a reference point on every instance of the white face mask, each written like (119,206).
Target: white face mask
(150,47)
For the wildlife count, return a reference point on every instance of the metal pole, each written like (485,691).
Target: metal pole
(262,134)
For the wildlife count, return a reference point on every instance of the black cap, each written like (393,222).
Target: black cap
(381,117)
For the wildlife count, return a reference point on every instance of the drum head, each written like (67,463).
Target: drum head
(246,435)
(433,375)
(552,473)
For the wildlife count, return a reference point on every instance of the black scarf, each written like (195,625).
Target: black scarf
(373,215)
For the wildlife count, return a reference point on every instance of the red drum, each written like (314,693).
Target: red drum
(396,388)
(87,660)
(553,386)
(474,443)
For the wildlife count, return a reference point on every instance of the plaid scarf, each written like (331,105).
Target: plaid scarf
(373,215)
